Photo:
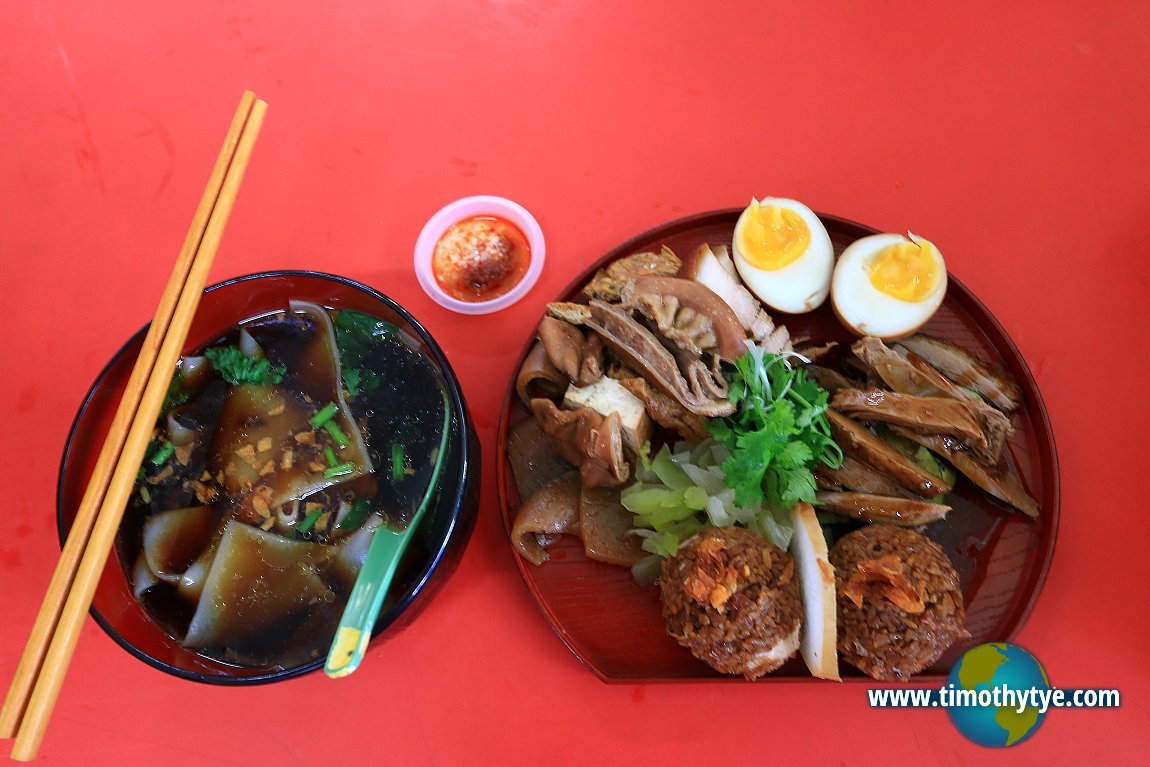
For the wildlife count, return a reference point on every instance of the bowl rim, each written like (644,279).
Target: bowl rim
(466,451)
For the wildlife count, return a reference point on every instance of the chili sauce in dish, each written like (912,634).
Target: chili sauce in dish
(480,258)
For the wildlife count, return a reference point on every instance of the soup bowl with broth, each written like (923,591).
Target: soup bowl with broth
(305,415)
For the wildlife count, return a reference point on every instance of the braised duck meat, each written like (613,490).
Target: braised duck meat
(965,369)
(859,477)
(911,374)
(904,512)
(931,415)
(859,442)
(997,479)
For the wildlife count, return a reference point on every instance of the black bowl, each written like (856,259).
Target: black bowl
(432,555)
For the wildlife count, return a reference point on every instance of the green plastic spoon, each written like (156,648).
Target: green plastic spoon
(371,586)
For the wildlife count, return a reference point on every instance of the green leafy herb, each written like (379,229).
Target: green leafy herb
(177,395)
(777,433)
(237,369)
(329,454)
(356,331)
(358,335)
(356,383)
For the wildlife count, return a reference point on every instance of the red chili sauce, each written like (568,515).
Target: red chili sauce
(480,258)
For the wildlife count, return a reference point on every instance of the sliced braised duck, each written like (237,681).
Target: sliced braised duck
(995,479)
(588,439)
(856,440)
(608,282)
(931,415)
(910,374)
(547,514)
(857,476)
(829,379)
(687,313)
(965,369)
(904,512)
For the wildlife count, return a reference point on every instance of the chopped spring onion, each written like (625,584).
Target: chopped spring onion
(163,453)
(339,470)
(397,461)
(309,522)
(329,454)
(355,518)
(337,434)
(326,413)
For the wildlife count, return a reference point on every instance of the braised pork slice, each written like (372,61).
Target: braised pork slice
(911,374)
(930,415)
(904,512)
(965,369)
(995,479)
(856,440)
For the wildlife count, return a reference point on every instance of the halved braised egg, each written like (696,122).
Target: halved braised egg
(784,254)
(888,285)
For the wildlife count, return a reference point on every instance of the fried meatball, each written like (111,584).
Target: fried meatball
(899,601)
(732,598)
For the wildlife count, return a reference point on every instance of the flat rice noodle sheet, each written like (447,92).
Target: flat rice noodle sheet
(272,416)
(605,526)
(351,552)
(174,539)
(260,588)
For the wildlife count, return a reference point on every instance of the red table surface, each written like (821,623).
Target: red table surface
(1011,134)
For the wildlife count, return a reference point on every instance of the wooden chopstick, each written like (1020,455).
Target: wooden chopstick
(42,668)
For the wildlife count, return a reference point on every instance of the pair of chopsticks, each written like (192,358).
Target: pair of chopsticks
(36,685)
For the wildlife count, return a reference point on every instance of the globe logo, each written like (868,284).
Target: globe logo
(990,666)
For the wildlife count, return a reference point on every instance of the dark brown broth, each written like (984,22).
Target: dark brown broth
(406,409)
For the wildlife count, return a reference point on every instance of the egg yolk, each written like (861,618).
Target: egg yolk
(773,237)
(907,271)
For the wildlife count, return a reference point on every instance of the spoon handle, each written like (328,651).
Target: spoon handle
(374,580)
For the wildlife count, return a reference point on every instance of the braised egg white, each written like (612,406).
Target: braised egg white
(888,285)
(784,254)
